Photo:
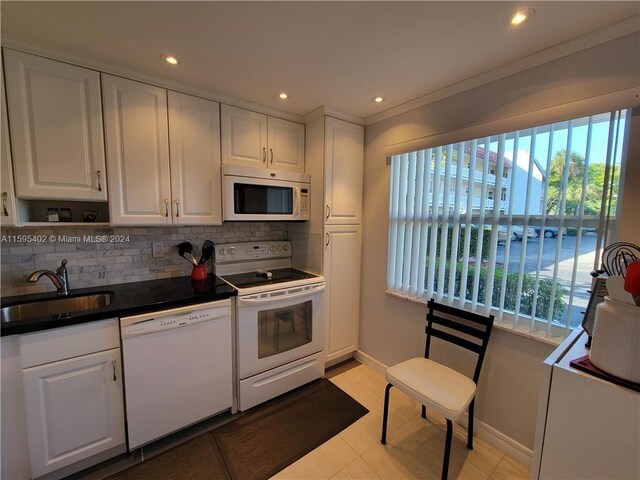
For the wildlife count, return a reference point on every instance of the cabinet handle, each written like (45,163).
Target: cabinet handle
(5,212)
(328,239)
(99,175)
(166,208)
(328,210)
(113,364)
(264,154)
(177,209)
(271,151)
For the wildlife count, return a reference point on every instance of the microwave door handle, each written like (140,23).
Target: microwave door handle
(296,200)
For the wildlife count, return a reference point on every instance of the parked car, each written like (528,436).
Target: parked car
(517,232)
(550,232)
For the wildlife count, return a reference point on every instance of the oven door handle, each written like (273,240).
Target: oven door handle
(270,299)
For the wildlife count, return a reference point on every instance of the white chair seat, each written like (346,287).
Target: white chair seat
(438,387)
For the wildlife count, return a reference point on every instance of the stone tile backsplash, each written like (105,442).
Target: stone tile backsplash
(124,257)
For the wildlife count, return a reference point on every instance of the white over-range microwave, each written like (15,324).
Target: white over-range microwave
(256,194)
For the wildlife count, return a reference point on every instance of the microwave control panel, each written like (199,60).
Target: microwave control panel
(304,204)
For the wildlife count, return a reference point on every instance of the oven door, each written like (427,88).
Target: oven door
(258,199)
(278,327)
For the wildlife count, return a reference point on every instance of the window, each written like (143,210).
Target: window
(527,256)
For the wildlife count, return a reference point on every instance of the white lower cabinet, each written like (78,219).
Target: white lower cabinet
(74,409)
(13,446)
(342,273)
(73,397)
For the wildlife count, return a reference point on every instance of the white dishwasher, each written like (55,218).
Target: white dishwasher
(177,368)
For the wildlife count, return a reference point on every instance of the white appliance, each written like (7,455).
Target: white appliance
(279,319)
(257,194)
(177,368)
(587,427)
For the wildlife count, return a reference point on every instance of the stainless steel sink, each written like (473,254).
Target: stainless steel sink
(56,307)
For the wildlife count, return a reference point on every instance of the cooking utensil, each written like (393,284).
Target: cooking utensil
(207,250)
(187,247)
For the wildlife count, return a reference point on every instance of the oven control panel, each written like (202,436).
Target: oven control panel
(233,252)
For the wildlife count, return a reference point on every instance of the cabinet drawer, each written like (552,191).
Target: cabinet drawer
(68,342)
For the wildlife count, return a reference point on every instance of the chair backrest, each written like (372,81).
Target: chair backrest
(465,329)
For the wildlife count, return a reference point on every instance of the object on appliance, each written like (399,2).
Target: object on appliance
(632,281)
(615,259)
(618,256)
(598,292)
(616,340)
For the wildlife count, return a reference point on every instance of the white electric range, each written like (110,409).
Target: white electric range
(279,319)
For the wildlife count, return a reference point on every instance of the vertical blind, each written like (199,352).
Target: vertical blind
(509,224)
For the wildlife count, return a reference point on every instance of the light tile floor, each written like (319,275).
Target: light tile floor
(414,446)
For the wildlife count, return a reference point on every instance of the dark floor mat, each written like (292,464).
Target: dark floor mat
(274,435)
(197,459)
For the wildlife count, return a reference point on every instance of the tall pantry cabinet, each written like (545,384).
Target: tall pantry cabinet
(335,162)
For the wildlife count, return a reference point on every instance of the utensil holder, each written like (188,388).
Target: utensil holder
(199,272)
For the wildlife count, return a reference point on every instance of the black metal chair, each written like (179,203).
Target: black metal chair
(439,387)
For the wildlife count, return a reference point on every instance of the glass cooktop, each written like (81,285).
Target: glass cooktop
(266,277)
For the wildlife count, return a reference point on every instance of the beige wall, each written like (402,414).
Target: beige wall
(392,329)
(629,228)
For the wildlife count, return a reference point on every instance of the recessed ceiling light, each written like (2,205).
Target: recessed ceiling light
(170,59)
(283,96)
(520,16)
(377,99)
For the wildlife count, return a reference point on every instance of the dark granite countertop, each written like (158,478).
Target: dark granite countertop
(128,299)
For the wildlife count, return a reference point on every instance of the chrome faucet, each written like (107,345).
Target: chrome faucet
(59,278)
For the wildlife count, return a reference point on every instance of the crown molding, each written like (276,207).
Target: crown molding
(16,44)
(598,37)
(332,112)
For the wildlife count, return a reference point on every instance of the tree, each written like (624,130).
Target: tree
(556,183)
(594,186)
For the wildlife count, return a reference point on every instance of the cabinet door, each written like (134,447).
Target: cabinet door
(342,274)
(286,145)
(137,135)
(14,447)
(244,137)
(8,212)
(74,409)
(343,172)
(56,129)
(194,131)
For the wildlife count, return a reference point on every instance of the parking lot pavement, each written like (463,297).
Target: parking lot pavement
(566,259)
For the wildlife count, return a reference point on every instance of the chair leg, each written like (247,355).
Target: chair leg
(447,450)
(470,426)
(385,414)
(424,412)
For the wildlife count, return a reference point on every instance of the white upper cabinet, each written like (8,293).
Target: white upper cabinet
(343,172)
(252,139)
(137,139)
(244,137)
(194,130)
(8,212)
(56,129)
(286,145)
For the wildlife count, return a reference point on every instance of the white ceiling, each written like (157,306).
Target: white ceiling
(339,54)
